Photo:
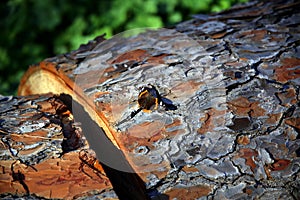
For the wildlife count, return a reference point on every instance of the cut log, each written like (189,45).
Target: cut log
(207,109)
(44,154)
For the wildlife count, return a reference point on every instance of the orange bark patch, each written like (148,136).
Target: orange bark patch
(243,139)
(213,118)
(176,122)
(281,164)
(104,107)
(248,155)
(31,138)
(242,107)
(185,89)
(157,59)
(273,118)
(190,169)
(219,35)
(256,110)
(55,178)
(248,191)
(146,129)
(294,122)
(256,35)
(239,104)
(143,134)
(287,97)
(189,193)
(288,71)
(136,55)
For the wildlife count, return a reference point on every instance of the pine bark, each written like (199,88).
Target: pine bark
(207,109)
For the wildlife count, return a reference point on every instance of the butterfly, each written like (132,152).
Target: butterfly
(150,99)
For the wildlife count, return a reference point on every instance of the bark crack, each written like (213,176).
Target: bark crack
(251,78)
(288,113)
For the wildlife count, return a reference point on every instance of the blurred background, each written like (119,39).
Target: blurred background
(32,30)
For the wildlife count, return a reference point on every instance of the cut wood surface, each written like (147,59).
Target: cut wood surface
(207,109)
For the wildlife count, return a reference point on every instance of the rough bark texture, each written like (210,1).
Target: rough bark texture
(228,123)
(43,152)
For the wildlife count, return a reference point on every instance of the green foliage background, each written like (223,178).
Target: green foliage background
(32,30)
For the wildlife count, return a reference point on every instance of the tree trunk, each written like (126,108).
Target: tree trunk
(39,151)
(207,109)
